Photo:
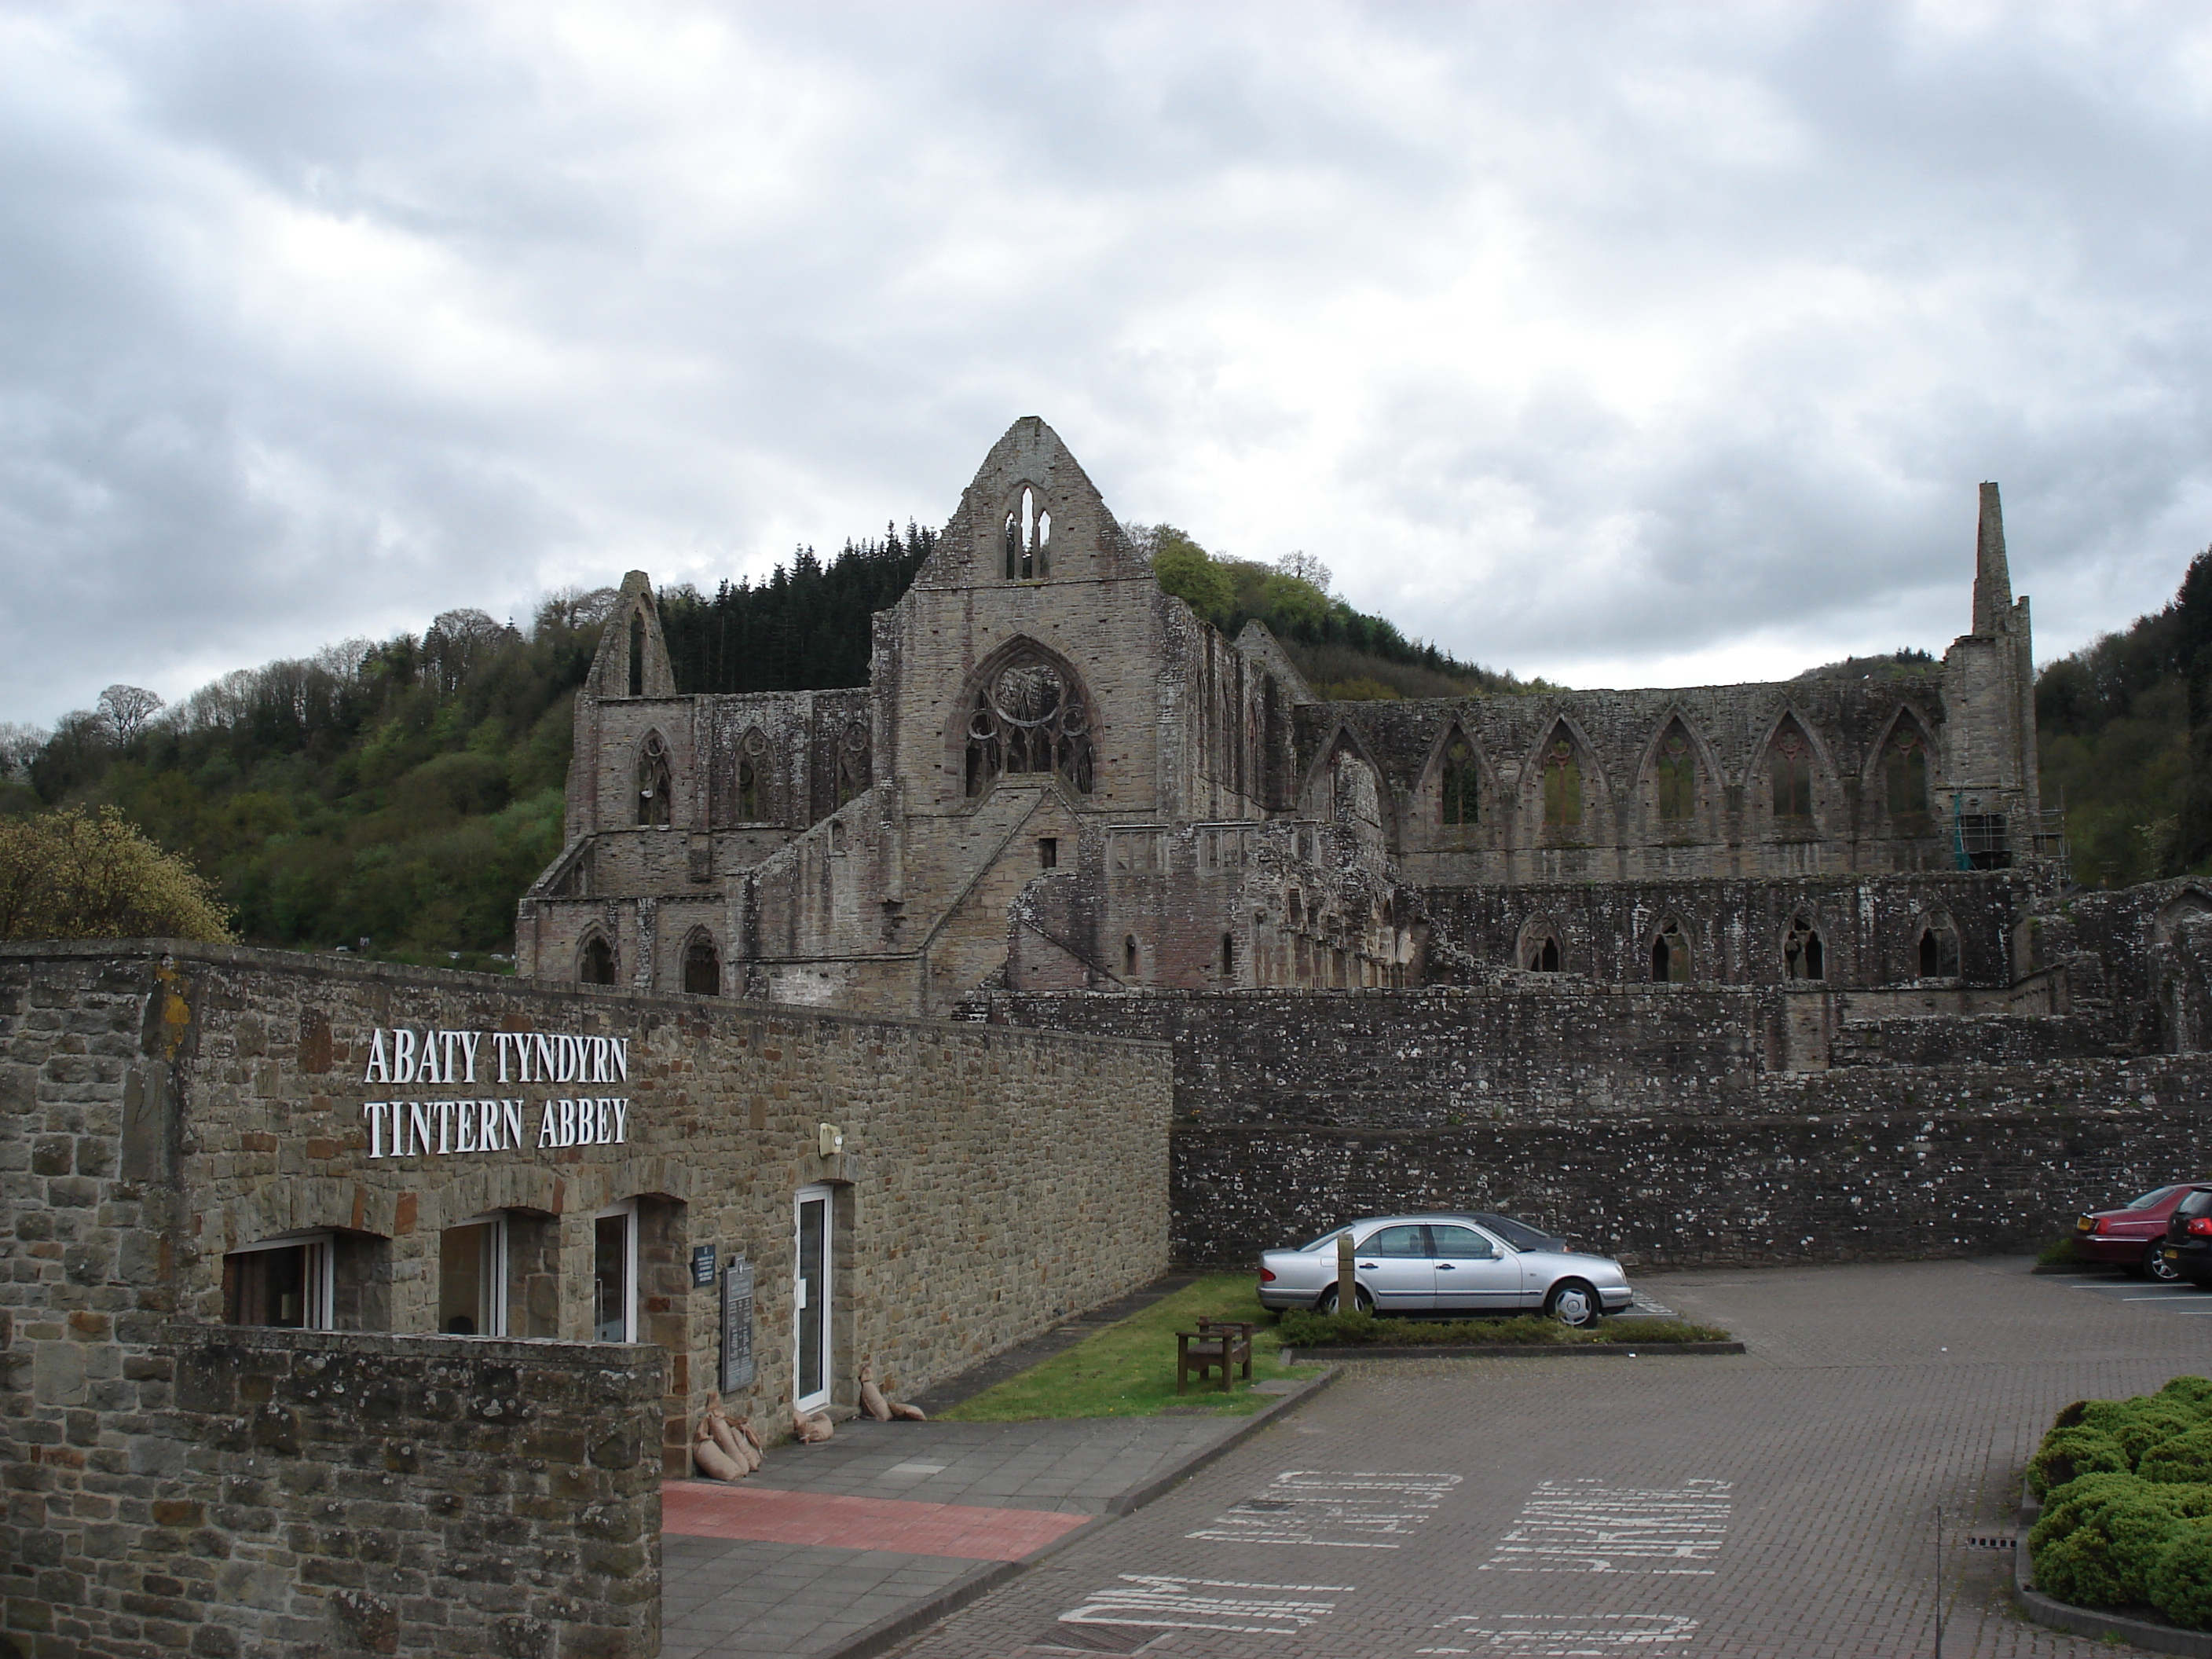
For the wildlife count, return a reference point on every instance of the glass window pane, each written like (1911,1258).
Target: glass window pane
(610,1279)
(1461,1244)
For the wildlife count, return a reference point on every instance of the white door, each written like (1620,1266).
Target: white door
(811,1299)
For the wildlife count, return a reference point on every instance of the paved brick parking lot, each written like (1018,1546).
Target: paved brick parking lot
(1781,1503)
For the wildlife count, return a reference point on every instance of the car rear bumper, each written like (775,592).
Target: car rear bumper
(2192,1260)
(2113,1252)
(1275,1295)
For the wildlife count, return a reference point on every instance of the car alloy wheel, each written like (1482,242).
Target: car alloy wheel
(1328,1303)
(2155,1265)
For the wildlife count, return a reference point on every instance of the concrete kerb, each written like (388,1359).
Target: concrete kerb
(1512,1351)
(2088,1621)
(887,1633)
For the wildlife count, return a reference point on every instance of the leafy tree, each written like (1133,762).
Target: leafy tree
(1188,572)
(74,874)
(127,708)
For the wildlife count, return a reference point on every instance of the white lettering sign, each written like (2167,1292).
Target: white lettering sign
(447,1128)
(434,1055)
(441,1128)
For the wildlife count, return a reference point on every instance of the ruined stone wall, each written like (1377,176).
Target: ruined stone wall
(263,1494)
(1870,927)
(1616,737)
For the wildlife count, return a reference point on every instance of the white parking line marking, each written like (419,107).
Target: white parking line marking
(1351,1512)
(1585,1526)
(1179,1604)
(1541,1636)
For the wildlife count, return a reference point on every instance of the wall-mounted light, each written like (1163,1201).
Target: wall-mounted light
(832,1139)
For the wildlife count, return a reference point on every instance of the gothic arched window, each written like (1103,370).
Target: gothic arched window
(703,967)
(1939,949)
(1563,783)
(1905,771)
(1789,762)
(1461,783)
(1678,776)
(753,805)
(1540,951)
(1670,956)
(1029,540)
(852,769)
(596,965)
(637,653)
(1803,956)
(652,781)
(1028,717)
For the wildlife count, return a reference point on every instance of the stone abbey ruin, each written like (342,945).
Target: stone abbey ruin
(1719,973)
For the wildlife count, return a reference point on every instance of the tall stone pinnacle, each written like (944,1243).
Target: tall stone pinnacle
(1992,575)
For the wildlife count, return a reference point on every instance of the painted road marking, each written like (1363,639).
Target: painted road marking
(1585,1526)
(1186,1604)
(1351,1512)
(1541,1636)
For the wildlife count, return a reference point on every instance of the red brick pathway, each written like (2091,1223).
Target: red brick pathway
(699,1509)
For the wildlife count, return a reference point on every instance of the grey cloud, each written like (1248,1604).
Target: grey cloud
(673,288)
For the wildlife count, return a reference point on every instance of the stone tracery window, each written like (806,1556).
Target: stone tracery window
(1802,954)
(652,781)
(1029,540)
(1678,776)
(1563,783)
(1461,792)
(1541,953)
(853,772)
(1670,956)
(1905,771)
(1790,764)
(753,793)
(595,965)
(1028,717)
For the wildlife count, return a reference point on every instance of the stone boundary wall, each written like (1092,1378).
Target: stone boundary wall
(162,1106)
(261,1493)
(1683,1125)
(1828,1167)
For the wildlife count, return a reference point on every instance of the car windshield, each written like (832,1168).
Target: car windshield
(2149,1199)
(1325,1238)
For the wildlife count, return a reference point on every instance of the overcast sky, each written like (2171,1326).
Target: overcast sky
(1626,344)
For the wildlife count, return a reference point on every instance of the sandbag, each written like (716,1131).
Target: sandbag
(872,1397)
(713,1463)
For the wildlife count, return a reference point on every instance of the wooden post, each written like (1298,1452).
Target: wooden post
(1347,1281)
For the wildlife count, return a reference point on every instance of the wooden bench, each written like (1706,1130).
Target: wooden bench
(1216,1343)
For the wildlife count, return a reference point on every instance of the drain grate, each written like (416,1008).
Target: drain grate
(1097,1638)
(1992,1541)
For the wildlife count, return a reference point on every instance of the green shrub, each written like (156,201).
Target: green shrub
(2182,1457)
(2068,1506)
(2067,1454)
(2059,1251)
(1302,1328)
(2079,1568)
(2153,1425)
(2181,1583)
(2196,1391)
(2101,1539)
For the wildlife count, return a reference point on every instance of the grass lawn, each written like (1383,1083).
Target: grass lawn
(1127,1370)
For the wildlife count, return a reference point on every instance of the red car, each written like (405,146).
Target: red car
(2130,1237)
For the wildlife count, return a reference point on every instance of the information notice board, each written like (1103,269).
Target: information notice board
(737,1325)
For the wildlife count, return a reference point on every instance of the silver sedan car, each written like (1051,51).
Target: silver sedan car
(1420,1263)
